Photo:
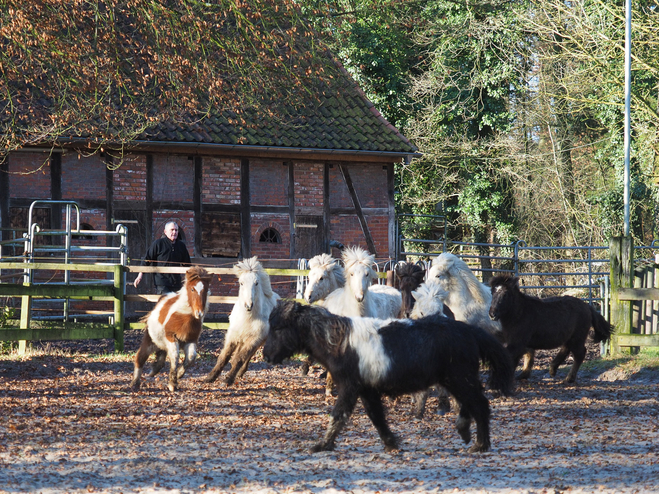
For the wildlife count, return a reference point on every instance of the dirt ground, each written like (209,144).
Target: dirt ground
(69,423)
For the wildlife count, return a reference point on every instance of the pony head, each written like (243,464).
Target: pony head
(325,275)
(253,280)
(505,288)
(429,299)
(283,339)
(410,276)
(197,283)
(359,271)
(453,275)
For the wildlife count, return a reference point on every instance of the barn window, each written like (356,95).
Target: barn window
(81,236)
(271,236)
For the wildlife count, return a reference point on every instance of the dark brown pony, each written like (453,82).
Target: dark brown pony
(529,322)
(176,319)
(409,276)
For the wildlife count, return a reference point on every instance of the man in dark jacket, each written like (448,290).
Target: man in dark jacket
(166,251)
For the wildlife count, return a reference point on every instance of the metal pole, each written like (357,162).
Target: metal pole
(628,78)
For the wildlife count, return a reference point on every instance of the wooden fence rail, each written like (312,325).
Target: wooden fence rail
(30,330)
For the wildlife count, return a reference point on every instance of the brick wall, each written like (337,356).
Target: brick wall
(29,175)
(266,250)
(173,178)
(308,178)
(184,220)
(83,177)
(268,183)
(130,179)
(347,230)
(220,181)
(369,180)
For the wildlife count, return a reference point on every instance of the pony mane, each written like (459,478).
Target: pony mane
(252,265)
(430,290)
(410,270)
(195,274)
(328,263)
(356,255)
(474,286)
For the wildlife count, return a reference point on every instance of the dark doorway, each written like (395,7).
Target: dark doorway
(309,232)
(137,224)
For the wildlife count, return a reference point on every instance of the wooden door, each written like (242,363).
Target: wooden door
(309,236)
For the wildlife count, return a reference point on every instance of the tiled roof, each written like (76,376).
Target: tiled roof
(337,118)
(99,78)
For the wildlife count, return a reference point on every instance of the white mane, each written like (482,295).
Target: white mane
(357,298)
(428,300)
(325,276)
(468,298)
(252,265)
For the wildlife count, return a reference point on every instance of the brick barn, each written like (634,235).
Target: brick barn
(238,183)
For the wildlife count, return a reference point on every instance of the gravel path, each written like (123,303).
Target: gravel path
(70,424)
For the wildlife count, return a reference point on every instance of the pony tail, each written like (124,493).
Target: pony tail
(603,329)
(501,366)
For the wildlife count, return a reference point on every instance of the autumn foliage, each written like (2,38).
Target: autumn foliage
(108,71)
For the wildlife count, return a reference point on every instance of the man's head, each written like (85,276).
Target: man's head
(171,230)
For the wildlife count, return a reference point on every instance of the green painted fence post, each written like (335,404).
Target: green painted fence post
(119,290)
(621,253)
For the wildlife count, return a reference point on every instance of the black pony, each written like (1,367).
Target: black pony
(370,357)
(529,322)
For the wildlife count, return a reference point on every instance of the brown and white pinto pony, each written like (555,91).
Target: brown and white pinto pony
(175,320)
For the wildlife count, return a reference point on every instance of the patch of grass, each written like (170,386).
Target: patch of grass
(647,360)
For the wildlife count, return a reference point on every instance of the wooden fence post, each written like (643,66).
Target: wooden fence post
(622,268)
(119,290)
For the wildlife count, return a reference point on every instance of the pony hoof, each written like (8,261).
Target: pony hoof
(317,448)
(229,381)
(210,379)
(172,388)
(135,386)
(479,448)
(391,448)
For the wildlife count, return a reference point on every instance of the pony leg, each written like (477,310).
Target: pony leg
(222,360)
(161,358)
(372,402)
(240,361)
(527,367)
(473,403)
(172,354)
(558,360)
(143,354)
(190,352)
(345,404)
(579,354)
(445,400)
(329,385)
(419,399)
(306,365)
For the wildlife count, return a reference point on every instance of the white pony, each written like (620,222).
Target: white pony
(357,298)
(248,321)
(325,276)
(468,298)
(428,300)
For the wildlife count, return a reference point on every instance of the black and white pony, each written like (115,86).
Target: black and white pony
(370,357)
